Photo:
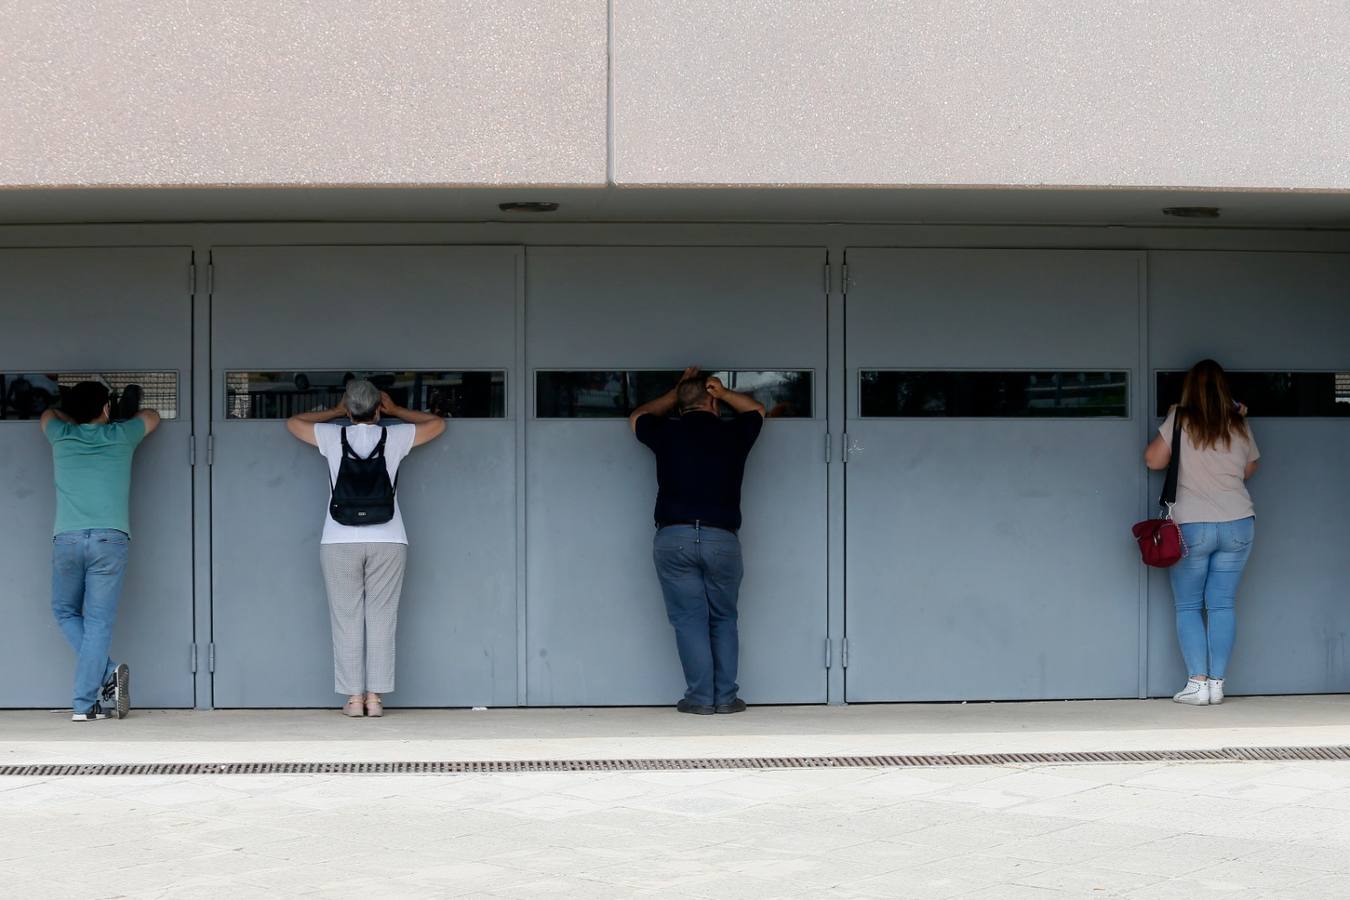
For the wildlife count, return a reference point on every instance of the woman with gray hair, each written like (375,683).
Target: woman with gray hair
(364,549)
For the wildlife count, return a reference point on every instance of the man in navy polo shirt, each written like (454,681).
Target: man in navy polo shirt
(700,461)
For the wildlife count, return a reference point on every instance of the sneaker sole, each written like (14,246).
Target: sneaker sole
(122,691)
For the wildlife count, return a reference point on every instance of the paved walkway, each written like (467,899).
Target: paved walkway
(1192,830)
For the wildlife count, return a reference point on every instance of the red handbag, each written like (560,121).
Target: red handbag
(1161,543)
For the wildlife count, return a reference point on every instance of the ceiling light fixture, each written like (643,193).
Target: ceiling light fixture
(1192,212)
(528,206)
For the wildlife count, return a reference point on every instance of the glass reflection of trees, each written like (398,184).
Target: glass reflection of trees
(610,394)
(1273,394)
(279,395)
(890,394)
(26,395)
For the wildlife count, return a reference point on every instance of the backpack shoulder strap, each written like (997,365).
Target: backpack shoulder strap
(378,452)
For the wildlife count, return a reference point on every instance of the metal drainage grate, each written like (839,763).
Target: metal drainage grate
(471,767)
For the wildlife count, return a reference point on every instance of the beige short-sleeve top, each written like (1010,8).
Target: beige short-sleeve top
(1210,486)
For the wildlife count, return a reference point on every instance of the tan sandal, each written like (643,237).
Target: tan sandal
(374,706)
(353,707)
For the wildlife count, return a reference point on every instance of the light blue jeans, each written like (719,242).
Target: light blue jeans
(87,571)
(1207,579)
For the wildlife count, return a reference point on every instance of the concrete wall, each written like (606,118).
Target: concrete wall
(453,92)
(1208,93)
(1241,94)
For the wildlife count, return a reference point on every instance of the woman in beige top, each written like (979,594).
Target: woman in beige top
(1214,510)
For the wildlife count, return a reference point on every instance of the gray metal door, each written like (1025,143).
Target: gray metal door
(988,553)
(64,312)
(337,309)
(1281,313)
(597,631)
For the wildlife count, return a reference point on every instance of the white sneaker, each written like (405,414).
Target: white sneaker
(1195,693)
(1215,691)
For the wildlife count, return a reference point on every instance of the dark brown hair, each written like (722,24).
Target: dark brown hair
(1207,410)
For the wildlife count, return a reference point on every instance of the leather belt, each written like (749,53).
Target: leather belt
(696,523)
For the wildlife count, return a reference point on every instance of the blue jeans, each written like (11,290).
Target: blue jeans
(1207,578)
(700,570)
(87,571)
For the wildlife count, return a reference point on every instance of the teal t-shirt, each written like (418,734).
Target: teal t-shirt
(93,473)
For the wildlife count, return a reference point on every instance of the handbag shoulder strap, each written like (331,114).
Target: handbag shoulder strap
(1169,491)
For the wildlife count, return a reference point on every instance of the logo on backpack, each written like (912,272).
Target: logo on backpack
(362,492)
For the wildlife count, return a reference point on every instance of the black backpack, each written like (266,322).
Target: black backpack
(362,493)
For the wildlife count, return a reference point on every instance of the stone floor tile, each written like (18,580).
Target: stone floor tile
(1317,859)
(1261,875)
(1090,881)
(1325,887)
(548,807)
(982,868)
(904,884)
(896,854)
(817,839)
(1172,857)
(910,816)
(1017,892)
(1187,889)
(1050,848)
(961,834)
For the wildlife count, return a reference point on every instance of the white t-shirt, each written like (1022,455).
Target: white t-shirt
(363,439)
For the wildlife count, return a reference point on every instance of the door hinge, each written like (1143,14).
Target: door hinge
(211,277)
(829,652)
(192,450)
(211,657)
(192,278)
(843,279)
(843,653)
(194,658)
(844,452)
(829,448)
(827,278)
(210,449)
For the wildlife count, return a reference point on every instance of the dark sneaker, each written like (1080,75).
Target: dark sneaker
(735,706)
(685,706)
(117,692)
(91,714)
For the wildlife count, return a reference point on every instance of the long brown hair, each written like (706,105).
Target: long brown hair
(1207,410)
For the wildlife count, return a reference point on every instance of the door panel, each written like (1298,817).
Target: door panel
(988,554)
(596,629)
(1268,312)
(98,310)
(363,309)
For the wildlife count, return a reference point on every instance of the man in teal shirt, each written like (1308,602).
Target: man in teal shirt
(91,457)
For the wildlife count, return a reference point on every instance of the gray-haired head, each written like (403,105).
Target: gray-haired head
(362,400)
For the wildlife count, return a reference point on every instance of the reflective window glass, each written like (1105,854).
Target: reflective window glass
(280,395)
(25,395)
(614,394)
(917,394)
(1274,394)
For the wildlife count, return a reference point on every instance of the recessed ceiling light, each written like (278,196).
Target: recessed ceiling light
(1192,212)
(529,206)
